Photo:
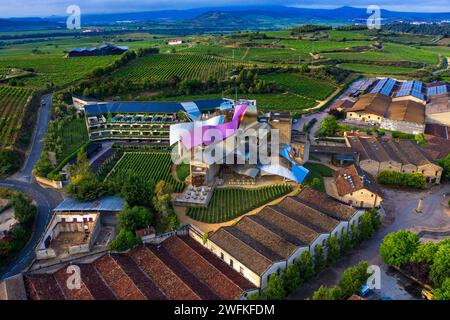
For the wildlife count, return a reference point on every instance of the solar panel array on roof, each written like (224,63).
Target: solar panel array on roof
(437,90)
(379,86)
(384,86)
(387,89)
(411,88)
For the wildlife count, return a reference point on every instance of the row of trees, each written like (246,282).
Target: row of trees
(147,204)
(307,266)
(24,212)
(429,262)
(411,180)
(243,80)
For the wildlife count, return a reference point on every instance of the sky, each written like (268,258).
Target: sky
(43,8)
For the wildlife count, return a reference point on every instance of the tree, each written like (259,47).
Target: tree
(440,269)
(254,296)
(443,293)
(353,278)
(166,217)
(445,164)
(84,185)
(376,218)
(291,278)
(324,293)
(24,210)
(365,226)
(274,288)
(328,127)
(137,190)
(125,240)
(134,218)
(305,266)
(316,183)
(43,165)
(319,259)
(355,237)
(398,247)
(345,244)
(425,253)
(333,250)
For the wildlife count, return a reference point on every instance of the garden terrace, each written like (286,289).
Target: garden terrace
(150,165)
(178,269)
(227,204)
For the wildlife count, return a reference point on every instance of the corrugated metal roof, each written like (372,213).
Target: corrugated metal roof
(98,48)
(106,203)
(148,107)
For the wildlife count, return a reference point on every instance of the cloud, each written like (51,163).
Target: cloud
(26,8)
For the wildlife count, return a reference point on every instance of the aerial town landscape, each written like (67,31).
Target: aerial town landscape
(254,152)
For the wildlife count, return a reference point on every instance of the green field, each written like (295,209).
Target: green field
(185,66)
(377,69)
(73,134)
(227,204)
(154,166)
(13,102)
(319,171)
(54,68)
(391,52)
(301,85)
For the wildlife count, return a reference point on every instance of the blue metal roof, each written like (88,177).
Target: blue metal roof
(106,203)
(98,48)
(148,107)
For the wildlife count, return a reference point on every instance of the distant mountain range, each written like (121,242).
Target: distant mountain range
(242,17)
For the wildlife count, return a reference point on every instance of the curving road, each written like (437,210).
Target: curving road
(46,199)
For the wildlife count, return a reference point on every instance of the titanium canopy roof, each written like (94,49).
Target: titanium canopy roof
(192,108)
(106,204)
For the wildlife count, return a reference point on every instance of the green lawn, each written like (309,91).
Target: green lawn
(377,69)
(154,166)
(73,134)
(302,85)
(227,204)
(318,171)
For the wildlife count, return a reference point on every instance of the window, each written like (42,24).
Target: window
(241,270)
(222,256)
(231,263)
(371,195)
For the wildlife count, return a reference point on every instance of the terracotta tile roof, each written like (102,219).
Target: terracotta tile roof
(395,150)
(308,216)
(342,104)
(179,268)
(231,274)
(43,287)
(266,237)
(203,269)
(200,288)
(61,276)
(326,204)
(117,279)
(373,103)
(351,179)
(406,110)
(278,217)
(240,250)
(356,297)
(167,280)
(436,148)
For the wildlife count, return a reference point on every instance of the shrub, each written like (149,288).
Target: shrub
(411,180)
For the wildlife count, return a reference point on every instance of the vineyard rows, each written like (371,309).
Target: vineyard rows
(13,102)
(154,166)
(185,66)
(227,204)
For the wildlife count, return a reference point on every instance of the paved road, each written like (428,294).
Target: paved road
(37,145)
(46,199)
(400,207)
